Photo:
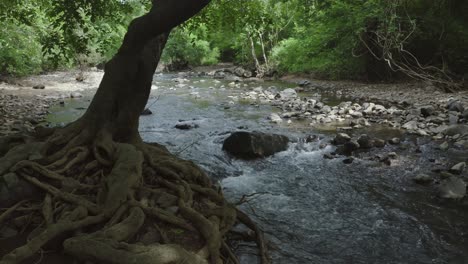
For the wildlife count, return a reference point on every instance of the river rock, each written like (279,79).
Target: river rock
(411,125)
(348,148)
(422,179)
(444,146)
(456,129)
(379,143)
(288,94)
(455,105)
(275,118)
(341,138)
(186,125)
(452,188)
(394,141)
(427,110)
(39,87)
(303,83)
(251,145)
(348,160)
(75,95)
(365,142)
(458,168)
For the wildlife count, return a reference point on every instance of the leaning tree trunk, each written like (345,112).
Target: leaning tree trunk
(104,189)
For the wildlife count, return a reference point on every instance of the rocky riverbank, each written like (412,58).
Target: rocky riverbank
(415,110)
(25,102)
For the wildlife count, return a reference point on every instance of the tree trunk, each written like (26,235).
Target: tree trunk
(125,87)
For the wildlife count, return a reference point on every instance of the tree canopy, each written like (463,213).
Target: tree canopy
(332,39)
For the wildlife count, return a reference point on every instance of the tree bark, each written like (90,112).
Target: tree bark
(126,85)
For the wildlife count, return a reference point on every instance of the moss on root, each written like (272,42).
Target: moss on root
(103,198)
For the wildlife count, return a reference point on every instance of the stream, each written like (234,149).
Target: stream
(313,210)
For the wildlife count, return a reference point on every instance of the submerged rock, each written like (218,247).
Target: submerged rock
(341,138)
(186,125)
(252,145)
(422,179)
(452,188)
(458,168)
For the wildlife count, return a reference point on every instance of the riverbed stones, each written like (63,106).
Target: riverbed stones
(75,95)
(341,138)
(444,146)
(365,142)
(379,143)
(394,141)
(458,168)
(455,105)
(422,179)
(411,125)
(186,125)
(252,145)
(456,129)
(275,118)
(427,110)
(39,87)
(452,188)
(287,94)
(348,148)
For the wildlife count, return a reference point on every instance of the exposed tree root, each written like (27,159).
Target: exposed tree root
(101,197)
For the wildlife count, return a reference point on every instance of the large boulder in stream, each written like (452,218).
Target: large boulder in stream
(252,145)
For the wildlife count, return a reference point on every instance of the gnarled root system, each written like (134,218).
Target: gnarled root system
(112,202)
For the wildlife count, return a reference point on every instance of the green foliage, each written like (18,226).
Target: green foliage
(331,38)
(20,49)
(184,48)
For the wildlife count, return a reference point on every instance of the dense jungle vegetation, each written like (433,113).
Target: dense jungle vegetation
(336,39)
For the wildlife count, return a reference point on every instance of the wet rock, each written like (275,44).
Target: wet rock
(446,174)
(303,83)
(394,141)
(411,125)
(422,179)
(311,138)
(348,148)
(146,112)
(288,94)
(186,125)
(39,87)
(458,168)
(348,160)
(365,142)
(75,95)
(251,145)
(444,146)
(241,72)
(452,188)
(379,143)
(275,118)
(341,138)
(328,156)
(427,110)
(455,105)
(456,129)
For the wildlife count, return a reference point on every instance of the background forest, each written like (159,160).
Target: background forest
(333,39)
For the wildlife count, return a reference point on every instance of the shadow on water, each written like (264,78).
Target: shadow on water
(313,210)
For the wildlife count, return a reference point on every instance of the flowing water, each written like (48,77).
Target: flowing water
(312,210)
